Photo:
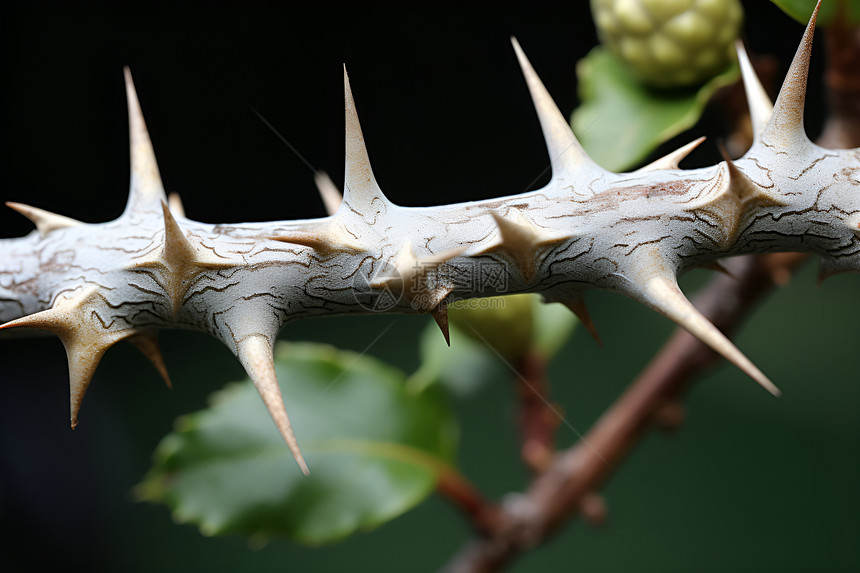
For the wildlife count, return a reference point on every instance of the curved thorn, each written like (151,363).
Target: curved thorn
(565,151)
(146,190)
(147,343)
(45,221)
(663,295)
(329,192)
(255,354)
(785,128)
(760,106)
(440,315)
(673,159)
(575,301)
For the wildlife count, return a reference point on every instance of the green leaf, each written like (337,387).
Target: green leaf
(801,10)
(621,121)
(375,449)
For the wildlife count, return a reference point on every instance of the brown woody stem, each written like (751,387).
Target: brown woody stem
(537,417)
(484,516)
(560,492)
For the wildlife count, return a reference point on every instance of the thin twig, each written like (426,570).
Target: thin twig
(538,420)
(485,516)
(559,493)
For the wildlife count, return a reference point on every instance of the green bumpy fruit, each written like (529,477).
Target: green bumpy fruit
(670,43)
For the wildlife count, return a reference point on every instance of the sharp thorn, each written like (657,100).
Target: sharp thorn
(255,354)
(760,106)
(785,127)
(672,160)
(361,191)
(146,190)
(576,303)
(147,343)
(440,315)
(565,151)
(662,294)
(45,221)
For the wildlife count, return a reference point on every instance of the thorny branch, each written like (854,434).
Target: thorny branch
(568,486)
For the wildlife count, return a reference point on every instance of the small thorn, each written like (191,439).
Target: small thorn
(45,221)
(575,301)
(255,354)
(440,315)
(565,151)
(414,276)
(328,240)
(174,202)
(178,261)
(672,160)
(593,508)
(670,415)
(329,192)
(745,188)
(826,269)
(521,240)
(177,248)
(147,343)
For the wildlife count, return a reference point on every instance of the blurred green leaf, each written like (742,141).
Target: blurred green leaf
(621,121)
(374,446)
(801,10)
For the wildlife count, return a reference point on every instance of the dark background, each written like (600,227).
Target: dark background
(750,483)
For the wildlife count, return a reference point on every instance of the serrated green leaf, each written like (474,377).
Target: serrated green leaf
(621,121)
(801,10)
(374,446)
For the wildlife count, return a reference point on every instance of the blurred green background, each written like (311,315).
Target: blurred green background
(749,483)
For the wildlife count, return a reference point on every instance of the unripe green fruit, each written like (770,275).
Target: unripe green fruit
(670,43)
(505,323)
